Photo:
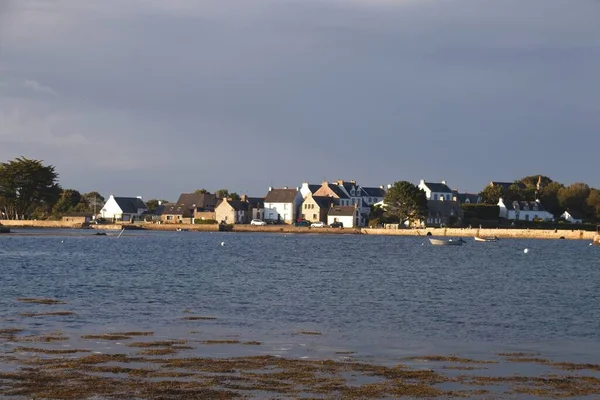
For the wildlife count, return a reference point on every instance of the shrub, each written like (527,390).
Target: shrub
(205,221)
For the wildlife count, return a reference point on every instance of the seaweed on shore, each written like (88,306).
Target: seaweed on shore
(48,313)
(35,300)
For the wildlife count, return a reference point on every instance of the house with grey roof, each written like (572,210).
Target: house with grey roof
(523,211)
(347,215)
(443,213)
(465,198)
(315,208)
(232,211)
(198,201)
(436,191)
(572,216)
(124,209)
(282,205)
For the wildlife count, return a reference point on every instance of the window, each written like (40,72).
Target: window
(302,216)
(435,196)
(285,206)
(314,216)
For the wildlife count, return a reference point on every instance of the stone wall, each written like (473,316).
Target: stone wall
(500,233)
(39,224)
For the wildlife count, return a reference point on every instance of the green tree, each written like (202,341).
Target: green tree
(154,203)
(93,201)
(26,185)
(222,193)
(548,196)
(67,201)
(593,203)
(234,196)
(491,194)
(532,181)
(574,197)
(201,191)
(405,202)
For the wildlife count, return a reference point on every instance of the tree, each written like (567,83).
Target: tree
(201,191)
(94,201)
(532,181)
(67,201)
(222,193)
(154,203)
(593,202)
(548,196)
(405,202)
(26,185)
(491,194)
(574,197)
(234,196)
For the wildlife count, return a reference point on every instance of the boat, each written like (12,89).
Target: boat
(446,242)
(4,229)
(486,239)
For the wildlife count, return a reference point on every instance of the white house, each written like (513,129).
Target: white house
(308,188)
(126,209)
(282,204)
(436,191)
(523,211)
(572,217)
(347,215)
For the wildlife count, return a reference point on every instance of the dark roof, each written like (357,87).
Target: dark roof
(256,202)
(462,197)
(173,209)
(200,200)
(510,205)
(575,214)
(438,187)
(237,205)
(338,190)
(342,211)
(281,196)
(374,191)
(313,188)
(324,201)
(130,205)
(443,209)
(348,186)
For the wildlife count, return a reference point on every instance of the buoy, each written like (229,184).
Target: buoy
(526,251)
(222,243)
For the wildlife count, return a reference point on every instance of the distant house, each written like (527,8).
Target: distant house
(443,213)
(232,211)
(282,204)
(78,217)
(523,211)
(465,198)
(171,213)
(347,215)
(573,217)
(124,209)
(256,207)
(436,191)
(315,208)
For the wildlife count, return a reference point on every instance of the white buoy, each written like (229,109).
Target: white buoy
(222,243)
(526,251)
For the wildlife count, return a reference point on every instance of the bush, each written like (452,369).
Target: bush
(481,211)
(205,221)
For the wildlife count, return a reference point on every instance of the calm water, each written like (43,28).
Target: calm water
(383,297)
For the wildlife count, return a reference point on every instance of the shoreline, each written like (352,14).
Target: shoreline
(501,233)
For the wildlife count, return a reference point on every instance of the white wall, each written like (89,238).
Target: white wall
(111,209)
(348,221)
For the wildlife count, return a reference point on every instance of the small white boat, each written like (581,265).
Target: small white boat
(446,242)
(486,239)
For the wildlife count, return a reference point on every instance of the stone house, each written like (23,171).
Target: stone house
(232,212)
(78,217)
(315,208)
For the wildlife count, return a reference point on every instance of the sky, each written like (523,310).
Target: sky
(155,98)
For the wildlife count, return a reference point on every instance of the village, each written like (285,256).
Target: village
(339,203)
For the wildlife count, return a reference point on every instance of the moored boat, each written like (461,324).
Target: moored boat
(486,239)
(4,229)
(446,242)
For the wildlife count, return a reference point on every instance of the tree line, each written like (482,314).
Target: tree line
(554,196)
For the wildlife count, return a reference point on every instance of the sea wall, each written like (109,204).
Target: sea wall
(39,224)
(500,233)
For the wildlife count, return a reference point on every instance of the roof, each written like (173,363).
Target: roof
(281,196)
(462,197)
(237,205)
(374,191)
(324,201)
(338,191)
(575,214)
(130,205)
(173,209)
(443,208)
(197,200)
(342,211)
(313,188)
(510,205)
(256,202)
(438,187)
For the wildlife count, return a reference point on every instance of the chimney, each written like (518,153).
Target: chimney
(297,189)
(285,187)
(139,197)
(443,182)
(353,182)
(422,182)
(160,202)
(389,186)
(244,198)
(325,183)
(340,182)
(270,188)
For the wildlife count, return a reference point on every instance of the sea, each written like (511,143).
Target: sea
(381,298)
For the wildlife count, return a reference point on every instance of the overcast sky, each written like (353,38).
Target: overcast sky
(157,97)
